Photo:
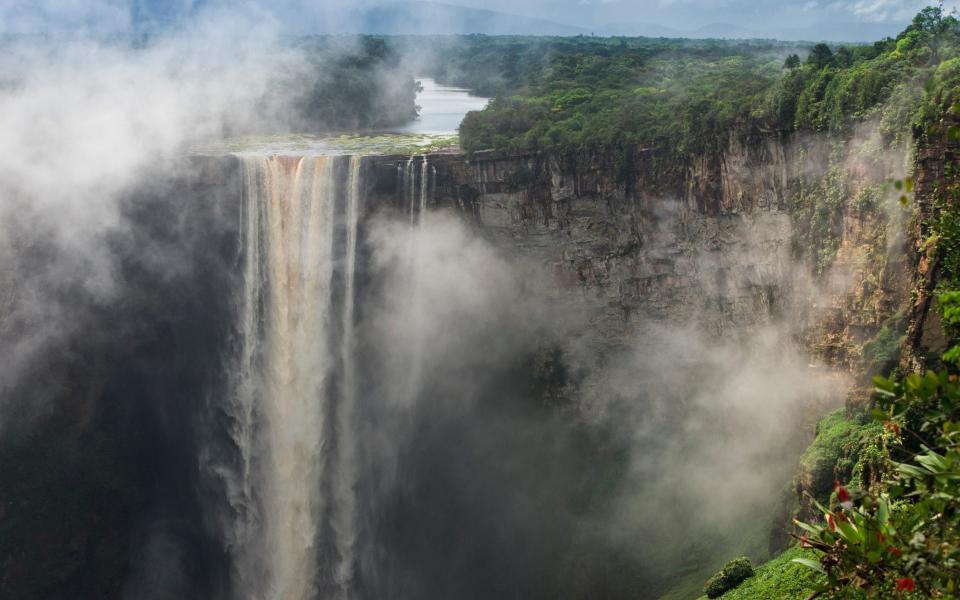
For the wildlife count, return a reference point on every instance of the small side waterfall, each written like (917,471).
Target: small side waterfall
(416,187)
(424,184)
(292,413)
(410,186)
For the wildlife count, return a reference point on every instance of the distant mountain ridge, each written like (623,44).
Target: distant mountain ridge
(431,18)
(826,31)
(395,17)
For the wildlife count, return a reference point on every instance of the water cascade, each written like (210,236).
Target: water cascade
(293,410)
(416,188)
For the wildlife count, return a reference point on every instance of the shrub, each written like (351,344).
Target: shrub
(778,579)
(729,577)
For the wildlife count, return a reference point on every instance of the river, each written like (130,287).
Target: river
(442,108)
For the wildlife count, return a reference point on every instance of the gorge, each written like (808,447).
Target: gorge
(677,273)
(306,279)
(579,351)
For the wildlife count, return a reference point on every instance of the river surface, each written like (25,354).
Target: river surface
(442,108)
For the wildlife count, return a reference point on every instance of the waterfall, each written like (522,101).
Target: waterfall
(416,195)
(416,187)
(424,184)
(410,187)
(294,430)
(345,509)
(293,414)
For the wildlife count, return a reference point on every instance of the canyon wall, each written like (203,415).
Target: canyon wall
(716,240)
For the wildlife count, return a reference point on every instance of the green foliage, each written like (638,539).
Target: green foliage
(867,200)
(817,211)
(839,448)
(902,537)
(882,353)
(624,97)
(820,56)
(834,91)
(945,238)
(683,96)
(729,577)
(950,307)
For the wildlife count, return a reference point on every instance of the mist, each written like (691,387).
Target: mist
(502,412)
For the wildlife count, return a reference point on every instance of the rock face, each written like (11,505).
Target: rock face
(765,232)
(716,240)
(797,234)
(938,157)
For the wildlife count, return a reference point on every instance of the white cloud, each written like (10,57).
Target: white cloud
(884,11)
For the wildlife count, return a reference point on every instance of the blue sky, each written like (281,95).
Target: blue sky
(859,19)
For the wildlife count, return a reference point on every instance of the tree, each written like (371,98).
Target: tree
(932,29)
(820,56)
(792,62)
(843,58)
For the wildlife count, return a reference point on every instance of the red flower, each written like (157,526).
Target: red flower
(895,551)
(892,426)
(843,495)
(831,523)
(906,584)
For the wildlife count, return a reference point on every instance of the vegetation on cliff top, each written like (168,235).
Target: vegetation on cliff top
(684,97)
(615,95)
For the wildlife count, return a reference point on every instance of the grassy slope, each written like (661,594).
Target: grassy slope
(753,543)
(779,578)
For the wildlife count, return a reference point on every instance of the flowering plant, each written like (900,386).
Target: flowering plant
(900,538)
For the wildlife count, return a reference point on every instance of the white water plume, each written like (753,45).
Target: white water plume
(282,410)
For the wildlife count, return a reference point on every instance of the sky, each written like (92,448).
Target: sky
(855,20)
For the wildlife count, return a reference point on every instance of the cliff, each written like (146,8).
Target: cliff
(938,158)
(728,241)
(801,234)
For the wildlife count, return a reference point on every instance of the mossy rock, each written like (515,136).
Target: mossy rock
(733,574)
(835,451)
